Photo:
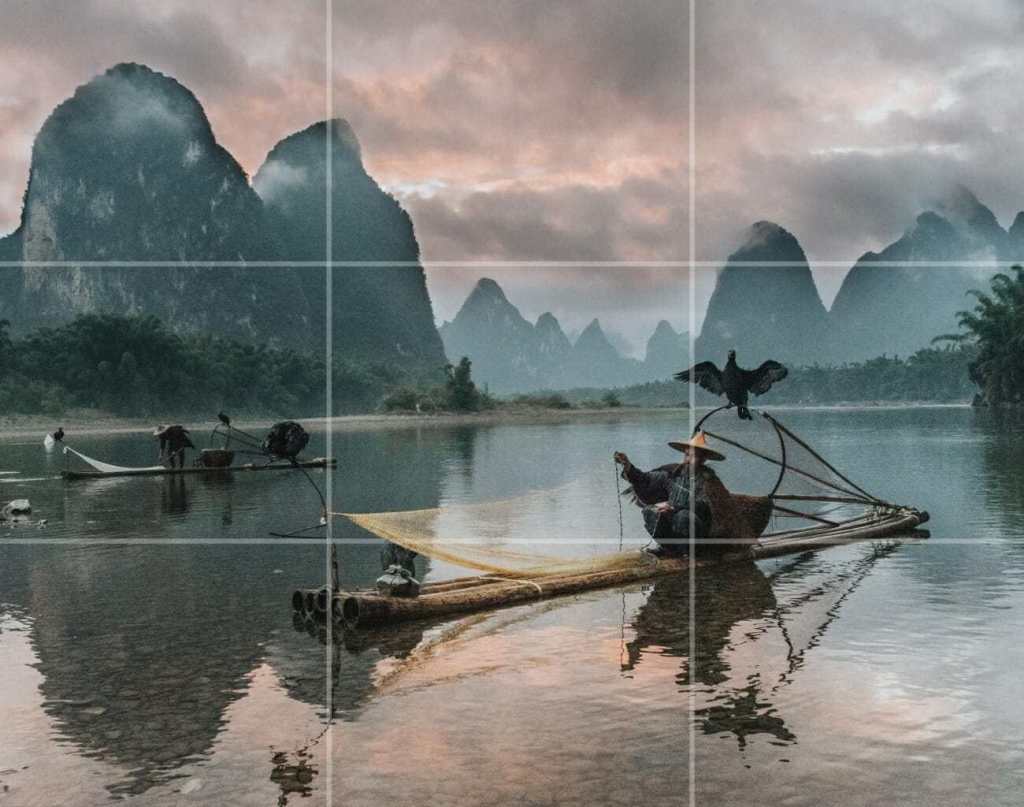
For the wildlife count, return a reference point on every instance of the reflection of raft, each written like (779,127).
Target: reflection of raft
(363,608)
(319,462)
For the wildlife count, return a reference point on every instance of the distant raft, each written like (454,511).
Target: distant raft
(105,470)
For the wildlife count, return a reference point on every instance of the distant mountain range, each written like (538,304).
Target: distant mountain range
(764,310)
(511,354)
(128,170)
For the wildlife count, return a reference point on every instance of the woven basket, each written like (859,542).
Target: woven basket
(216,457)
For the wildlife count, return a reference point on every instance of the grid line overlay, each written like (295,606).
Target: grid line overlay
(691,172)
(431,264)
(329,547)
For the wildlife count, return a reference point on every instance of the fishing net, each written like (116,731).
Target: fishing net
(501,537)
(106,467)
(765,460)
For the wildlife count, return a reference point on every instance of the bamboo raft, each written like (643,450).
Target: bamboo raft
(319,462)
(467,594)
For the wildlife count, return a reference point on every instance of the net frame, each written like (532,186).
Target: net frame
(849,493)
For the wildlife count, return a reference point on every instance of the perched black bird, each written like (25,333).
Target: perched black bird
(734,382)
(59,434)
(223,418)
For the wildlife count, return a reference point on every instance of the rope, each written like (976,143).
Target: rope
(515,580)
(618,499)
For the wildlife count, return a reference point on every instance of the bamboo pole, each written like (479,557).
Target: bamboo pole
(365,608)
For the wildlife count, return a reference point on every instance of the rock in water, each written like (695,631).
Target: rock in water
(380,313)
(16,508)
(763,310)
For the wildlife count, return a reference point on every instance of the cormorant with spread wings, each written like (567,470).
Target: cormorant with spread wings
(734,382)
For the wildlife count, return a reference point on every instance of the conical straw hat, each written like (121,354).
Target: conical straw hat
(699,442)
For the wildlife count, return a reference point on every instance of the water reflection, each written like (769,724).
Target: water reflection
(142,665)
(174,501)
(733,606)
(141,674)
(143,649)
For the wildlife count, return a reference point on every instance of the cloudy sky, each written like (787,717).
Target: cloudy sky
(526,130)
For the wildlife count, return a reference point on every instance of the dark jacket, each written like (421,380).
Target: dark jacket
(671,483)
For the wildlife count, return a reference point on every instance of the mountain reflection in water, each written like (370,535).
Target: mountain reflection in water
(148,647)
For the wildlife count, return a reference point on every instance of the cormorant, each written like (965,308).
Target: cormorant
(734,382)
(224,419)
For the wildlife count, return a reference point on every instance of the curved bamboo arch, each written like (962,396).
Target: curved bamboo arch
(783,465)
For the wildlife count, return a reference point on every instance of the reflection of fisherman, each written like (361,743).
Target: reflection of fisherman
(670,506)
(738,593)
(173,442)
(735,593)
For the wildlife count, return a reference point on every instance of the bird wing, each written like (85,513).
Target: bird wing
(759,381)
(706,374)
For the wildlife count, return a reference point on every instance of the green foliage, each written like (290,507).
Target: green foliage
(995,330)
(548,401)
(932,374)
(135,366)
(611,400)
(463,395)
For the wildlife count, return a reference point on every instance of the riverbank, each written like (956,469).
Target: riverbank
(94,422)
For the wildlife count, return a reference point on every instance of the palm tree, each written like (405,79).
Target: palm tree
(996,327)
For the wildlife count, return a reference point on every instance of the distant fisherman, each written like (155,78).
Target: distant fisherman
(669,504)
(51,440)
(173,442)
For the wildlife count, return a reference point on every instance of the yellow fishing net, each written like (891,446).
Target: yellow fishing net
(503,537)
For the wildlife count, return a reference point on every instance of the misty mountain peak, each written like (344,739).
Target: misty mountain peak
(299,160)
(758,303)
(930,225)
(593,337)
(486,292)
(548,322)
(961,206)
(1017,233)
(664,329)
(551,339)
(766,240)
(129,100)
(345,144)
(667,350)
(486,285)
(487,306)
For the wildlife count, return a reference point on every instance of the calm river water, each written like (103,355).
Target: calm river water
(148,650)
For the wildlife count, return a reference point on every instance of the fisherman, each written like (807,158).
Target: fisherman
(173,442)
(50,441)
(675,496)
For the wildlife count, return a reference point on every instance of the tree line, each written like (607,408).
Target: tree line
(936,375)
(136,366)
